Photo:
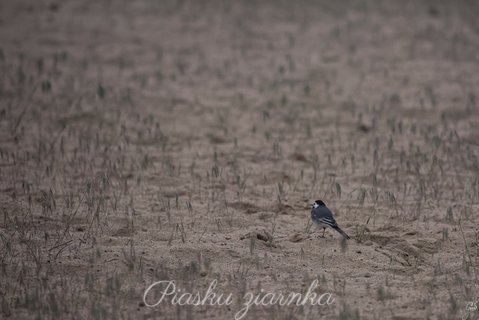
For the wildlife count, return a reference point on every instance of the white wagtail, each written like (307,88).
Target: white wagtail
(322,216)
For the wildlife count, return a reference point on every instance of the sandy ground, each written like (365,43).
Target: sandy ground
(185,140)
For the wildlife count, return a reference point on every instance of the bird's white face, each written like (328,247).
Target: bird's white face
(315,205)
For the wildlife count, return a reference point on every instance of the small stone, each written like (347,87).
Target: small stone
(297,237)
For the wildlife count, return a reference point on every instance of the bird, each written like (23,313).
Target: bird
(322,217)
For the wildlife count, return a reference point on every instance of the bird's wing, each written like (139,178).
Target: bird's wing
(325,216)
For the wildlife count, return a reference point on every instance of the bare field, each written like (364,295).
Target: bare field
(185,140)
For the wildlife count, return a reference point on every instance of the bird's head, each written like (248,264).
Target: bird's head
(317,203)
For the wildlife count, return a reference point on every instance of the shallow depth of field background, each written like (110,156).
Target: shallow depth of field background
(185,140)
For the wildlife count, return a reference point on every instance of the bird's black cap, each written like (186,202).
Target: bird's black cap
(319,202)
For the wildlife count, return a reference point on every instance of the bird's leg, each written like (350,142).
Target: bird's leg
(319,236)
(324,230)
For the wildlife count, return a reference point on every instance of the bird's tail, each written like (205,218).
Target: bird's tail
(344,234)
